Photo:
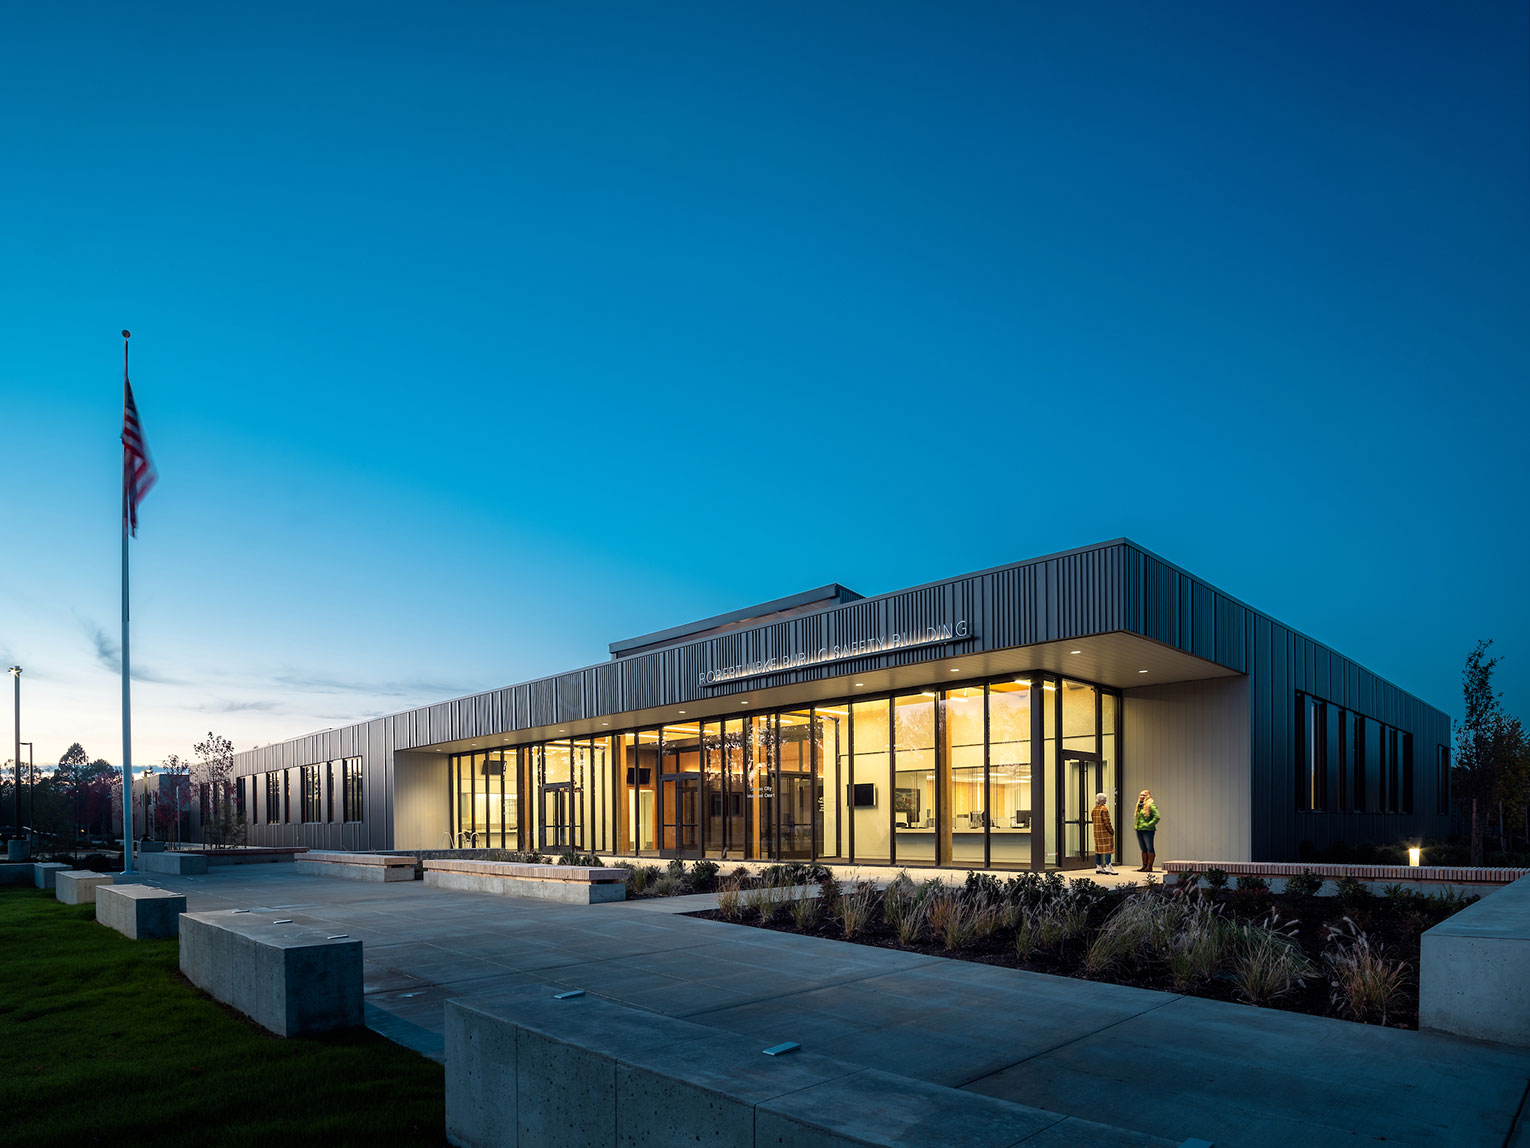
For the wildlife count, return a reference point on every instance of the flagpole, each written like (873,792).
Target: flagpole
(127,711)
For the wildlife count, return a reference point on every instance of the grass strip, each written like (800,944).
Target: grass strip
(104,1042)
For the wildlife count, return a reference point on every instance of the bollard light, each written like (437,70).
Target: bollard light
(1415,854)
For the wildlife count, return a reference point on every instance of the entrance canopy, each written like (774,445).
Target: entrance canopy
(1120,660)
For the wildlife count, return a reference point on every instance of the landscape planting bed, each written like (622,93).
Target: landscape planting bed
(1354,956)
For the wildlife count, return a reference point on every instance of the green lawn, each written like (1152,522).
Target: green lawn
(103,1042)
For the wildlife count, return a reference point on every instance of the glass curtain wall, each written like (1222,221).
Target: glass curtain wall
(866,793)
(831,748)
(968,809)
(1011,807)
(797,809)
(933,777)
(917,803)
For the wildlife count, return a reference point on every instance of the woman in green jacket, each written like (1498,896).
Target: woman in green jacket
(1146,824)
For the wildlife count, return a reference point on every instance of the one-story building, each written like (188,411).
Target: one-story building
(966,723)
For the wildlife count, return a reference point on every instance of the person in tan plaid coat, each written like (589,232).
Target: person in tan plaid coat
(1104,836)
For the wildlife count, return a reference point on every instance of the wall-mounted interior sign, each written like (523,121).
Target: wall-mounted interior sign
(958,631)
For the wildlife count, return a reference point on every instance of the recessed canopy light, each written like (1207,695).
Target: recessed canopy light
(1075,651)
(605,723)
(743,703)
(860,683)
(682,711)
(1142,671)
(957,670)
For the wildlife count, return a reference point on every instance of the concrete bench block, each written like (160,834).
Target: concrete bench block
(15,873)
(139,912)
(481,877)
(148,847)
(1473,970)
(355,866)
(78,886)
(180,864)
(291,979)
(45,873)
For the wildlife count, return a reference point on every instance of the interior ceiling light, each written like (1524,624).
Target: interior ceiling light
(1049,686)
(1022,681)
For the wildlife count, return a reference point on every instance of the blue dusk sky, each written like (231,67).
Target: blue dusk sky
(469,338)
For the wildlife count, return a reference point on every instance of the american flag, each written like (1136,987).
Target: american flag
(138,473)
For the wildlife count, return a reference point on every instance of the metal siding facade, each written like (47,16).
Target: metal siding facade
(1103,589)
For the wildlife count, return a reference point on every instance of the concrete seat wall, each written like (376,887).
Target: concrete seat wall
(1474,969)
(179,864)
(568,884)
(356,866)
(532,1070)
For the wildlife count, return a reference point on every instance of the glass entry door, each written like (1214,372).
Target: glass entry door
(560,817)
(1080,776)
(681,802)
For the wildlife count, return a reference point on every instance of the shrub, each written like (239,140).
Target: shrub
(856,908)
(1267,962)
(703,876)
(1251,883)
(805,908)
(1216,878)
(766,899)
(1352,891)
(640,877)
(829,894)
(1049,927)
(982,885)
(730,902)
(675,868)
(1363,980)
(1120,939)
(669,885)
(795,873)
(1305,884)
(1195,950)
(903,909)
(953,918)
(1187,884)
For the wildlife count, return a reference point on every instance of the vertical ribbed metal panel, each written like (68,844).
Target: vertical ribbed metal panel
(1099,590)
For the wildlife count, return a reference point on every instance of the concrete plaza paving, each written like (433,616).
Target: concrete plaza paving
(1163,1065)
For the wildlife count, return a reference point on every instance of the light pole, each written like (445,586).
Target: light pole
(31,795)
(16,672)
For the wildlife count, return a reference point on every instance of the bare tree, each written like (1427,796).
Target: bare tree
(1491,769)
(213,775)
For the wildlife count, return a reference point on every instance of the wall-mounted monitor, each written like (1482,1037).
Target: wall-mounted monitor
(862,795)
(1022,819)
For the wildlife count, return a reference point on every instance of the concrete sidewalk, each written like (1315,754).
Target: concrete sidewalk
(1165,1065)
